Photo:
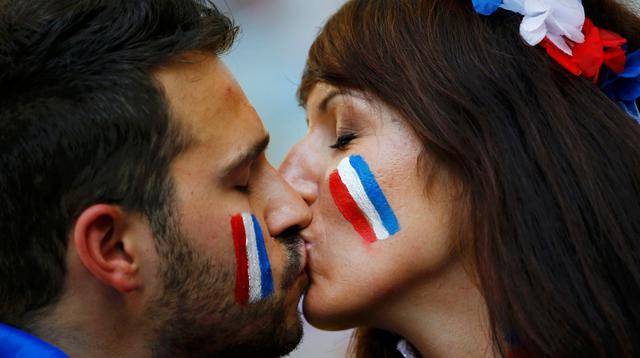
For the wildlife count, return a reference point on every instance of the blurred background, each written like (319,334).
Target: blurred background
(268,59)
(269,56)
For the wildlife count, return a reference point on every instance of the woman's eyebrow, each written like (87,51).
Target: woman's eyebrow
(322,107)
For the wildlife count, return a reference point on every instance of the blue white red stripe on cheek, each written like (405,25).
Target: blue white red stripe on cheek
(361,201)
(254,281)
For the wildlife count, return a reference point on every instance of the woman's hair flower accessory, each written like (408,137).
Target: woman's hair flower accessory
(624,88)
(571,39)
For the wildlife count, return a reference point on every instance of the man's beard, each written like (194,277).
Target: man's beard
(196,314)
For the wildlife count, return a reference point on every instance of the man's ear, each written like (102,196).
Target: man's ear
(104,248)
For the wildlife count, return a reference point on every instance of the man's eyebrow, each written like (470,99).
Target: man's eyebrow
(248,155)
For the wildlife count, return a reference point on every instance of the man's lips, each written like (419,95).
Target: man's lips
(295,245)
(302,277)
(303,256)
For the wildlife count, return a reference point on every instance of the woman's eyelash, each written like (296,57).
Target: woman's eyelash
(343,141)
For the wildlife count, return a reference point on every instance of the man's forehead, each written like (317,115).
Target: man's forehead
(207,101)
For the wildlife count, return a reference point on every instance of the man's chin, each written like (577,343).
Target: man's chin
(281,340)
(291,327)
(298,287)
(293,317)
(286,328)
(293,336)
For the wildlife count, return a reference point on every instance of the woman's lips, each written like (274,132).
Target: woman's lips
(308,247)
(309,250)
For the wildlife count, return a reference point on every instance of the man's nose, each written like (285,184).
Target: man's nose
(299,171)
(285,208)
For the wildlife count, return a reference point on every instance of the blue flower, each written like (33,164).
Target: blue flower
(624,88)
(486,7)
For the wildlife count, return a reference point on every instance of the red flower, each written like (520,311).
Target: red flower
(599,47)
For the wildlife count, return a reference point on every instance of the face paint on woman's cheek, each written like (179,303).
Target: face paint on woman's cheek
(253,270)
(361,201)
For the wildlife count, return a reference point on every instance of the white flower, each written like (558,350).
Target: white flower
(557,20)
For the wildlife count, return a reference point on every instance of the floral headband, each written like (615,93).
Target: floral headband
(560,26)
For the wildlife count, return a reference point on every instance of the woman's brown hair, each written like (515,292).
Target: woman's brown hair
(549,165)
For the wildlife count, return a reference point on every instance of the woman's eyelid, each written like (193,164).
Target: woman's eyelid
(346,124)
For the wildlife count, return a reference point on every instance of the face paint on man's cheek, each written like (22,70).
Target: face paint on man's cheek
(361,201)
(253,271)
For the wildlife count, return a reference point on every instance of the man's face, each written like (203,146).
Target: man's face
(223,173)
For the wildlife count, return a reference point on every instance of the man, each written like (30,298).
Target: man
(139,216)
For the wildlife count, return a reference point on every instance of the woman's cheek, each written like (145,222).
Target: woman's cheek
(361,201)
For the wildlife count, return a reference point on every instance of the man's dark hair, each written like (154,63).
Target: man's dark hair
(82,121)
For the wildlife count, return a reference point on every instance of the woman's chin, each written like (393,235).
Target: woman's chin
(328,317)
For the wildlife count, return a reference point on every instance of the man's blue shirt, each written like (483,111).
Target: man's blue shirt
(15,343)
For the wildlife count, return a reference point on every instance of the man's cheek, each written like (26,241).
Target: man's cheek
(254,281)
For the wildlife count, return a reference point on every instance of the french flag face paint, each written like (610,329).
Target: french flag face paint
(361,201)
(253,271)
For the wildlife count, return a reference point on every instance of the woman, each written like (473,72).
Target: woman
(498,187)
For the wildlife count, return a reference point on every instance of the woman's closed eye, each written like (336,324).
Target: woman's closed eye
(343,141)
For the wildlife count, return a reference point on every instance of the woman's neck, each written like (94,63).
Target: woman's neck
(445,316)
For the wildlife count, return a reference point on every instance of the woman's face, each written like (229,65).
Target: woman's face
(354,275)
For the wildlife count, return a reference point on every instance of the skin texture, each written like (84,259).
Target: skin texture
(135,296)
(414,283)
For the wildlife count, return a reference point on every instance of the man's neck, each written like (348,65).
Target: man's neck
(98,329)
(444,316)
